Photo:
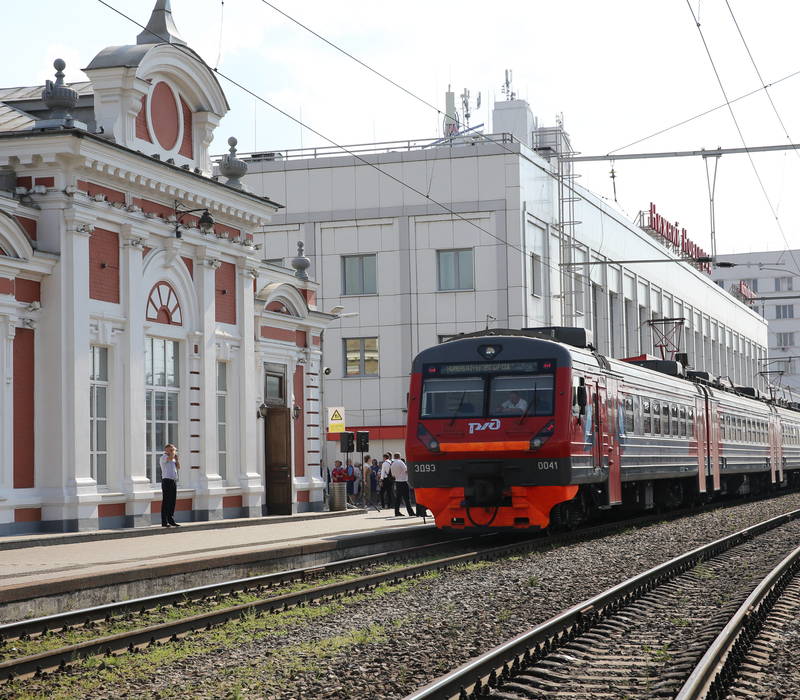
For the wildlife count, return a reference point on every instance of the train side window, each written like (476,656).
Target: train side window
(656,417)
(739,430)
(682,415)
(647,425)
(628,407)
(674,412)
(690,423)
(665,419)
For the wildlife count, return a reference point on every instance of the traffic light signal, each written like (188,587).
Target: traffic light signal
(346,442)
(362,441)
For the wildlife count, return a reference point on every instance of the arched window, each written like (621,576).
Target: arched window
(163,305)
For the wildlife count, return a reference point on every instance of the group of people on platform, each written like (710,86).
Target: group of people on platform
(386,481)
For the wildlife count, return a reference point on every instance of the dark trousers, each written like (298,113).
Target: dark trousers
(169,492)
(386,493)
(401,492)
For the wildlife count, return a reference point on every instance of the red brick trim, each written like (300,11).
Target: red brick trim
(182,504)
(30,226)
(23,401)
(92,189)
(27,290)
(107,510)
(104,266)
(45,181)
(231,501)
(27,515)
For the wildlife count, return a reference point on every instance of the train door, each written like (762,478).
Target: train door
(775,449)
(614,424)
(700,437)
(714,436)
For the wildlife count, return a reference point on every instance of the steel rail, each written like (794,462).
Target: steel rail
(131,640)
(499,664)
(107,611)
(714,672)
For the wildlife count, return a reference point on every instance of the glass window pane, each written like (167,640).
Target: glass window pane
(352,356)
(100,402)
(161,405)
(148,439)
(222,466)
(159,370)
(370,281)
(148,405)
(102,367)
(221,418)
(352,274)
(101,436)
(370,356)
(521,395)
(100,473)
(172,406)
(459,397)
(161,437)
(148,361)
(465,276)
(172,363)
(172,433)
(222,376)
(222,444)
(447,272)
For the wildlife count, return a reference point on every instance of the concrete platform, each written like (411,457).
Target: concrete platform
(84,569)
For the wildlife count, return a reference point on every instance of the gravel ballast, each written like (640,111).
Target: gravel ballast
(388,642)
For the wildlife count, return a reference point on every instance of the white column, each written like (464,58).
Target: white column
(249,469)
(206,480)
(7,333)
(65,450)
(136,485)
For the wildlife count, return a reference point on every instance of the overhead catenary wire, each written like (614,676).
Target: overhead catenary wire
(193,56)
(741,135)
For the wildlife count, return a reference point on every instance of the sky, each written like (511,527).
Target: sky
(618,71)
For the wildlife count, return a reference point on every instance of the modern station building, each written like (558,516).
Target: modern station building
(414,242)
(135,309)
(769,281)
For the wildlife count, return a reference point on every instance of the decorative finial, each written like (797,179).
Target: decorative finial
(161,27)
(59,98)
(301,263)
(232,167)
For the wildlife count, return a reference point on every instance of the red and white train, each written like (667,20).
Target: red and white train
(514,429)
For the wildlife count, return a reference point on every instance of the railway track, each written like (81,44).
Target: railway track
(264,597)
(648,636)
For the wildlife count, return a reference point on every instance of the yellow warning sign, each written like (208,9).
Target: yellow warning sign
(336,419)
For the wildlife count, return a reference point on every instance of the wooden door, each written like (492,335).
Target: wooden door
(278,461)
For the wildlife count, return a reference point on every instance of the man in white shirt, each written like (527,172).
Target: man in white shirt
(399,471)
(169,485)
(386,481)
(514,404)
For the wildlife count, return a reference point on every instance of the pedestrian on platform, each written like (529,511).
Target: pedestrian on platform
(170,464)
(386,482)
(374,477)
(350,478)
(399,471)
(338,473)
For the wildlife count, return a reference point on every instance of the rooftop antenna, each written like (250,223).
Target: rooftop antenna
(506,89)
(465,108)
(450,126)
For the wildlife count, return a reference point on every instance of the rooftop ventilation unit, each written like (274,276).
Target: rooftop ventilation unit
(700,376)
(577,337)
(670,367)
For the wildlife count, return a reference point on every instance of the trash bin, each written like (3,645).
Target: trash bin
(338,497)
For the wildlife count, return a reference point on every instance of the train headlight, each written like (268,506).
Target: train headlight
(543,435)
(427,439)
(489,352)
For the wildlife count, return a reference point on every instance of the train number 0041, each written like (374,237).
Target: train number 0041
(424,467)
(547,464)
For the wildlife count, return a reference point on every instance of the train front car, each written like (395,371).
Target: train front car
(488,438)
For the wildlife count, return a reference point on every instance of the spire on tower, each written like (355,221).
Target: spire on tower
(161,27)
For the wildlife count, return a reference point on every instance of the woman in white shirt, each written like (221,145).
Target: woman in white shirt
(169,485)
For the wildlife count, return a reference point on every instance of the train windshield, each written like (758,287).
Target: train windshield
(504,393)
(460,397)
(521,396)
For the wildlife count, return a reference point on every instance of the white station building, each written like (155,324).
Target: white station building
(136,311)
(460,234)
(770,283)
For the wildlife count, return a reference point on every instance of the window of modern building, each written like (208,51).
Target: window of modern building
(752,284)
(222,419)
(361,357)
(783,284)
(98,415)
(784,311)
(537,275)
(162,394)
(785,340)
(455,270)
(358,274)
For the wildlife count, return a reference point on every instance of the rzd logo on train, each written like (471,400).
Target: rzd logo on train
(491,425)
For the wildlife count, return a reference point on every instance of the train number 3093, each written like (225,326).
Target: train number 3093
(424,467)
